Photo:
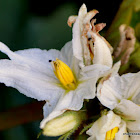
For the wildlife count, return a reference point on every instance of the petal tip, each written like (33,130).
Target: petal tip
(3,48)
(83,5)
(83,9)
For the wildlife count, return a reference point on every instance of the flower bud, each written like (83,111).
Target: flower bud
(64,123)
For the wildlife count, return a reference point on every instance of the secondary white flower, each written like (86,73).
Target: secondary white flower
(122,93)
(88,46)
(108,127)
(31,73)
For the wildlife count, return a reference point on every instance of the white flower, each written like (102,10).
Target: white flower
(122,93)
(108,127)
(31,73)
(67,82)
(88,46)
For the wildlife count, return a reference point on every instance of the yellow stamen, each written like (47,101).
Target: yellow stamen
(110,135)
(64,74)
(114,131)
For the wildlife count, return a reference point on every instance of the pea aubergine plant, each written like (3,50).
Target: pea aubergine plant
(87,89)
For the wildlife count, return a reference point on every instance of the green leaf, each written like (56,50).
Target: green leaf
(135,57)
(137,5)
(137,31)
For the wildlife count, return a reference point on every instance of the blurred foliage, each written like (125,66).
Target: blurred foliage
(129,14)
(47,32)
(137,31)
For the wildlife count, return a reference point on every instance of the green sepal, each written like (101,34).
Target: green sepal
(68,134)
(86,128)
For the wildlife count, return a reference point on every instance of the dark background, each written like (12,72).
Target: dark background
(39,24)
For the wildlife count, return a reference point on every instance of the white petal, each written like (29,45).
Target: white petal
(113,88)
(109,90)
(73,100)
(76,41)
(29,82)
(122,129)
(104,124)
(135,136)
(70,60)
(131,112)
(49,106)
(67,53)
(95,71)
(102,54)
(77,28)
(82,11)
(131,83)
(35,58)
(113,71)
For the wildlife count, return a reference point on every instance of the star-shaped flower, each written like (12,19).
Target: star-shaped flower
(63,86)
(61,78)
(109,127)
(121,94)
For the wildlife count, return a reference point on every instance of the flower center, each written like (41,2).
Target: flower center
(110,135)
(64,74)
